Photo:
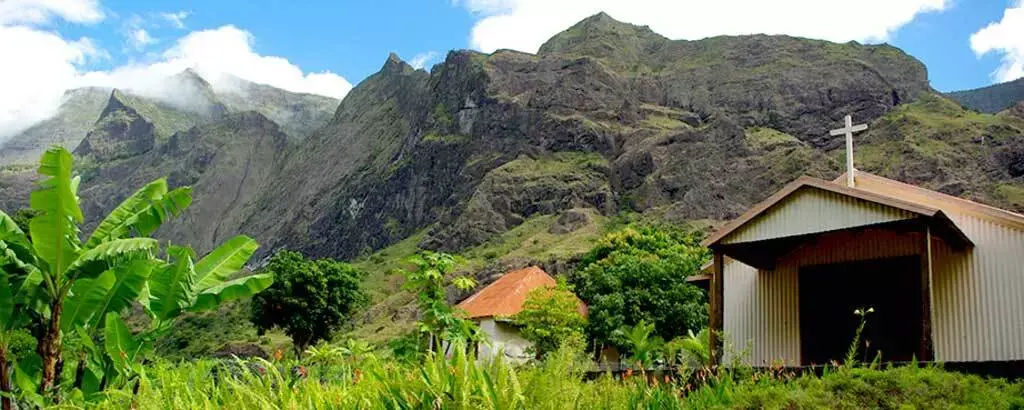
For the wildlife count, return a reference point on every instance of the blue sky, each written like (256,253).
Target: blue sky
(326,47)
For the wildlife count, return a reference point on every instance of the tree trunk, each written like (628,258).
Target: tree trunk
(5,379)
(80,371)
(49,349)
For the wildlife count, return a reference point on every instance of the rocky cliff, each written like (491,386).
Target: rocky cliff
(607,117)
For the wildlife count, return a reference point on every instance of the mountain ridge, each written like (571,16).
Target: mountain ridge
(607,118)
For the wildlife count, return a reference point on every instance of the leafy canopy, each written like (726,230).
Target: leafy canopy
(551,318)
(639,274)
(309,298)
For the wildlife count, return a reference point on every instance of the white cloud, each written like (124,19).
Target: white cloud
(525,24)
(1005,37)
(41,11)
(419,61)
(139,38)
(218,54)
(39,67)
(176,19)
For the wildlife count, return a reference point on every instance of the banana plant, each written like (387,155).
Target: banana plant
(178,285)
(56,259)
(18,280)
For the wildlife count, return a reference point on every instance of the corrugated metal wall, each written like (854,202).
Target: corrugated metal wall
(762,313)
(978,295)
(813,210)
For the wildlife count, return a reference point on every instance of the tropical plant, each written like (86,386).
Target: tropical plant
(690,350)
(640,274)
(640,341)
(77,289)
(439,321)
(309,299)
(550,318)
(45,268)
(176,286)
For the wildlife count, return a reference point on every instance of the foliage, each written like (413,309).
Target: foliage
(309,299)
(640,342)
(49,268)
(550,318)
(76,290)
(439,321)
(639,274)
(692,350)
(459,382)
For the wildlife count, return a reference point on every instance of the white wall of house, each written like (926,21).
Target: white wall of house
(503,340)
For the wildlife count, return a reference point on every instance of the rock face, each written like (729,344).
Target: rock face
(226,162)
(607,117)
(120,132)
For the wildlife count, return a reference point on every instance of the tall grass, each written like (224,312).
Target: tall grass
(458,382)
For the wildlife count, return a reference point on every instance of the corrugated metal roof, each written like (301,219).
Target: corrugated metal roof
(883,191)
(506,295)
(925,197)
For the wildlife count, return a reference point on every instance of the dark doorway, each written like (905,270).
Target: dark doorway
(830,293)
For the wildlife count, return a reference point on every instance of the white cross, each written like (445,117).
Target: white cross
(848,130)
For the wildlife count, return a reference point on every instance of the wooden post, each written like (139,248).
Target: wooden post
(926,352)
(716,294)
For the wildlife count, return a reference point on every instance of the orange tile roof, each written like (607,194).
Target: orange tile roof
(506,295)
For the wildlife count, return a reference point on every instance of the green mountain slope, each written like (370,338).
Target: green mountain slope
(991,99)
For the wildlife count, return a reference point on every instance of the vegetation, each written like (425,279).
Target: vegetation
(65,289)
(338,379)
(309,299)
(439,321)
(551,318)
(639,276)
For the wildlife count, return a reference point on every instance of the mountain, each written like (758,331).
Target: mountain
(78,111)
(298,114)
(486,150)
(175,104)
(512,158)
(607,116)
(993,98)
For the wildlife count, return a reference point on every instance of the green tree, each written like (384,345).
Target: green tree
(309,298)
(639,275)
(550,318)
(439,320)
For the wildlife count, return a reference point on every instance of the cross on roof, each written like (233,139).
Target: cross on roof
(848,130)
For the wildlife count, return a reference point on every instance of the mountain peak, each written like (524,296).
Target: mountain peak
(394,64)
(118,101)
(601,35)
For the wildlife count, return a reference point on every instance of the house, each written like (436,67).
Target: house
(944,276)
(493,305)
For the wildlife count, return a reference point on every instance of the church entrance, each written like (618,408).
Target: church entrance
(829,294)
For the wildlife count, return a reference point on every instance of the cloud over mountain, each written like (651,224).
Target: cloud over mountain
(42,64)
(502,22)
